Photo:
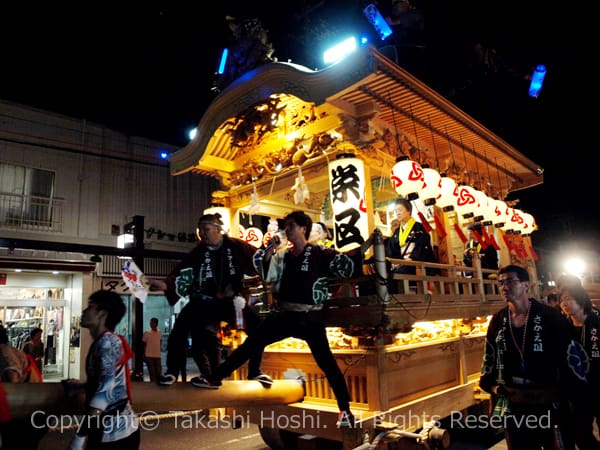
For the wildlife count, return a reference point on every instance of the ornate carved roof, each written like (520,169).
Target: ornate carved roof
(282,116)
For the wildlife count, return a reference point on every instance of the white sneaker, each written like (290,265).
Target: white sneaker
(263,379)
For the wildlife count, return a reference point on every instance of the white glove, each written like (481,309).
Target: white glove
(239,303)
(78,443)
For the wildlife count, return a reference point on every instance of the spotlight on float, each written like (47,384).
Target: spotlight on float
(339,51)
(537,80)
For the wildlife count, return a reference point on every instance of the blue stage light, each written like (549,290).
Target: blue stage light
(379,23)
(537,80)
(223,61)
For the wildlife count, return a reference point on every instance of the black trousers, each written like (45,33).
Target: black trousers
(199,318)
(542,429)
(308,326)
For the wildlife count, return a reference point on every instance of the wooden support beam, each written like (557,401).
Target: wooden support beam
(25,399)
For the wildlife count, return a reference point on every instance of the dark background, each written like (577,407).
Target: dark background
(148,71)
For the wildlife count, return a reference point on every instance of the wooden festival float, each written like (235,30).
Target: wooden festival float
(283,137)
(342,144)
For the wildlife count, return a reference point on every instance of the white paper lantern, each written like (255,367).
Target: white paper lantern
(347,193)
(433,186)
(480,202)
(466,201)
(254,236)
(489,210)
(407,178)
(530,224)
(447,198)
(510,226)
(225,216)
(499,214)
(517,221)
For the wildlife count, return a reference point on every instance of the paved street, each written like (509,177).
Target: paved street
(175,435)
(194,431)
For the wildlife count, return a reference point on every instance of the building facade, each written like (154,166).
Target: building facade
(68,189)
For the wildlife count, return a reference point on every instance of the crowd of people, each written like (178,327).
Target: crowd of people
(541,362)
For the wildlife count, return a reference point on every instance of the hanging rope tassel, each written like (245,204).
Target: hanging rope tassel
(460,233)
(424,222)
(507,241)
(478,238)
(533,253)
(442,233)
(493,242)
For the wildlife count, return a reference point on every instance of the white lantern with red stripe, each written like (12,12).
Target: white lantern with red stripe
(253,236)
(407,178)
(433,186)
(499,214)
(517,221)
(530,224)
(510,225)
(481,200)
(447,198)
(489,211)
(466,201)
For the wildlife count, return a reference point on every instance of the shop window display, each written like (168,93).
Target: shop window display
(24,309)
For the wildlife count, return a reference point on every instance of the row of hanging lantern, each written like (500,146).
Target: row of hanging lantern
(411,180)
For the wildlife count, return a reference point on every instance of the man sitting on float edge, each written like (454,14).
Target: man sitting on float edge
(299,275)
(212,276)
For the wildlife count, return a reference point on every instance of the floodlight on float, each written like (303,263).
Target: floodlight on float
(339,51)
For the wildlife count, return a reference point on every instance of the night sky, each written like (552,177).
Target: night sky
(149,72)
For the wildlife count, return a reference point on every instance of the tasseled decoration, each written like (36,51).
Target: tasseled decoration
(493,242)
(533,253)
(460,233)
(301,189)
(508,242)
(254,206)
(522,251)
(424,222)
(441,231)
(479,239)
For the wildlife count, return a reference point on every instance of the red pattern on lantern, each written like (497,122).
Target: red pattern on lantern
(362,205)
